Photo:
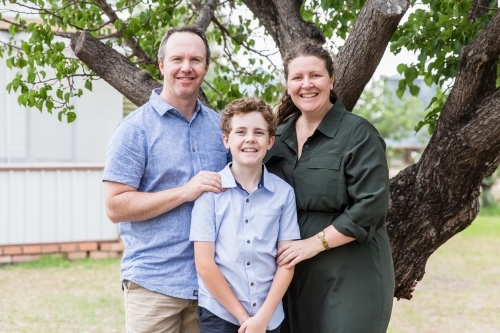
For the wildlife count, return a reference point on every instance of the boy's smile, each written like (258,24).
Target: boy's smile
(248,140)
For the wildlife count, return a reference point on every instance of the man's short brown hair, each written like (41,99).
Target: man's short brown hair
(247,105)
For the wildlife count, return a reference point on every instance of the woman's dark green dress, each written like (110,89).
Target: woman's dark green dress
(341,179)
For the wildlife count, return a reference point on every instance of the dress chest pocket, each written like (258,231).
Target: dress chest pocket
(323,173)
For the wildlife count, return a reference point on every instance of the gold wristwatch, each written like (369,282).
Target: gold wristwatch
(321,236)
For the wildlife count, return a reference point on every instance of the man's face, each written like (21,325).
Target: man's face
(184,66)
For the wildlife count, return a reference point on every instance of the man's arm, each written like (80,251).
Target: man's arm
(282,279)
(125,203)
(204,253)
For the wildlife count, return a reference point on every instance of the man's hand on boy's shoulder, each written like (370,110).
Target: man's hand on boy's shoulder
(204,181)
(254,324)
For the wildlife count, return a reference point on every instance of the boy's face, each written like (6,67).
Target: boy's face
(248,140)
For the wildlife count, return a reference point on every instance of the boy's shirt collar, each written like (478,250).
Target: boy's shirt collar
(228,180)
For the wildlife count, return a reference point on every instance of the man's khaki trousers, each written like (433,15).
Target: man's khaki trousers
(151,312)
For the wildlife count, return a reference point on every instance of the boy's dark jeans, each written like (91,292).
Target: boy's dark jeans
(210,323)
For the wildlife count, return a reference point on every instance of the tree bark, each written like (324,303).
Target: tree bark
(361,54)
(114,68)
(283,22)
(438,197)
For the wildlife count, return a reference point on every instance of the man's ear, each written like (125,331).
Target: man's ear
(225,140)
(160,66)
(271,142)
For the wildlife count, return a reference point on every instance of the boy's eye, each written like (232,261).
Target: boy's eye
(240,132)
(260,132)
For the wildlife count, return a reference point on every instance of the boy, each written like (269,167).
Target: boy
(236,233)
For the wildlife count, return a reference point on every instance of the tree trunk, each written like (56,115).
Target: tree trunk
(438,197)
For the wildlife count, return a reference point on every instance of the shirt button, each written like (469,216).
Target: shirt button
(247,200)
(254,304)
(248,240)
(251,284)
(248,263)
(193,149)
(246,221)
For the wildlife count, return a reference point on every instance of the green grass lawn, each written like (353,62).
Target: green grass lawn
(460,291)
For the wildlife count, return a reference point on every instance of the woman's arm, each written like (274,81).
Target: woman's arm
(204,253)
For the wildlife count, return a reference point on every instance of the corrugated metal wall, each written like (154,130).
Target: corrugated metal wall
(48,204)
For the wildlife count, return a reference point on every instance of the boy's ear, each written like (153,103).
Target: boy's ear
(271,142)
(225,140)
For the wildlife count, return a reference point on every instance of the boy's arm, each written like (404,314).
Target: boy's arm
(204,253)
(282,279)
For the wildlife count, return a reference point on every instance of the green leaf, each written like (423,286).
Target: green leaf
(414,90)
(88,84)
(71,117)
(401,68)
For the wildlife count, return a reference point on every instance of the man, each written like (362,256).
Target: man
(159,160)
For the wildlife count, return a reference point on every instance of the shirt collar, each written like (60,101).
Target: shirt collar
(161,106)
(229,181)
(328,126)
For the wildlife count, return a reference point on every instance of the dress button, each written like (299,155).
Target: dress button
(248,240)
(248,263)
(246,221)
(247,200)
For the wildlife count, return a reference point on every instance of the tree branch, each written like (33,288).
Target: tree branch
(114,68)
(130,41)
(365,46)
(206,13)
(283,22)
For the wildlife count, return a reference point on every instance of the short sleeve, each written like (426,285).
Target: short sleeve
(126,156)
(367,180)
(289,227)
(203,219)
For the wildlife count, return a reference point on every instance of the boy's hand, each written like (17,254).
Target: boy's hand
(243,318)
(253,325)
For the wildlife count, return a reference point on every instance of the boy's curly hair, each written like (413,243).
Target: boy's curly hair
(246,105)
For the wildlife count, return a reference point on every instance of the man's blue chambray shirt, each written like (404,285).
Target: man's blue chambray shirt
(153,149)
(245,229)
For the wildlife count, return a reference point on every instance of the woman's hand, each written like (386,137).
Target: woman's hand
(294,252)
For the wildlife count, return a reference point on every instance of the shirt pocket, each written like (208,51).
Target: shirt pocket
(323,174)
(266,229)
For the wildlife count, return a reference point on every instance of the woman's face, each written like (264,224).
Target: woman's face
(309,84)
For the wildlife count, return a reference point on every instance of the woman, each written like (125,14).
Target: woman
(335,161)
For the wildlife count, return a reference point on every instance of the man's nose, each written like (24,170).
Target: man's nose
(186,66)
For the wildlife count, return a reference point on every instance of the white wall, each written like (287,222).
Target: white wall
(52,205)
(51,171)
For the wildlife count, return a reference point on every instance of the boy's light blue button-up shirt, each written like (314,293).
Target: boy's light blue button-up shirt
(245,229)
(153,149)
